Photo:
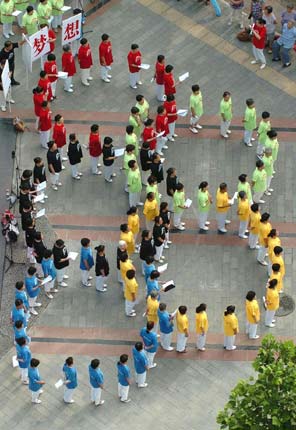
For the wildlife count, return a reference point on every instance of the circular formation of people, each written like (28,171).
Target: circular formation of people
(146,140)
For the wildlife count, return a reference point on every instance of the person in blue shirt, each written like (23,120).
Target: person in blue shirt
(149,266)
(86,261)
(23,356)
(124,378)
(35,382)
(141,364)
(149,338)
(166,327)
(49,270)
(284,43)
(153,284)
(18,312)
(70,380)
(20,293)
(33,289)
(20,331)
(96,380)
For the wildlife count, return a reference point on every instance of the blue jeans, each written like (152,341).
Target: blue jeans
(276,52)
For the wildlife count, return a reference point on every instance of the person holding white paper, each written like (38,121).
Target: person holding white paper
(134,59)
(201,325)
(70,382)
(147,250)
(179,206)
(143,107)
(85,61)
(61,261)
(30,21)
(35,381)
(134,183)
(159,77)
(108,159)
(54,164)
(182,329)
(162,125)
(133,222)
(165,216)
(49,270)
(23,356)
(222,207)
(196,108)
(6,9)
(171,110)
(166,327)
(204,201)
(75,156)
(146,161)
(171,182)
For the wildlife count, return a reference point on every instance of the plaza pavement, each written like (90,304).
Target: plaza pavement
(183,392)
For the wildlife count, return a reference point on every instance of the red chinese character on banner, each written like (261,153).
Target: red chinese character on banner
(72,30)
(39,44)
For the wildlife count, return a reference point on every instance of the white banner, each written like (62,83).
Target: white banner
(5,79)
(39,44)
(71,29)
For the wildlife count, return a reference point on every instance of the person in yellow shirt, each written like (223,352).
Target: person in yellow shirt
(125,264)
(201,326)
(272,302)
(252,314)
(276,274)
(182,329)
(152,305)
(133,222)
(277,257)
(253,227)
(272,241)
(243,212)
(128,237)
(222,207)
(151,210)
(230,328)
(264,229)
(130,293)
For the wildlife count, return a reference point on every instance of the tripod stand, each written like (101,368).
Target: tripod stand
(9,257)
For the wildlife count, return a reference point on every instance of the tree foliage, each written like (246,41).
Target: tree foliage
(268,402)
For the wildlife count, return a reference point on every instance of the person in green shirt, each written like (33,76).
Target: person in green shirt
(134,184)
(131,138)
(204,201)
(143,107)
(179,206)
(196,108)
(268,165)
(22,6)
(152,187)
(243,185)
(272,142)
(259,184)
(30,21)
(57,14)
(135,120)
(129,154)
(264,127)
(44,11)
(226,114)
(6,9)
(249,122)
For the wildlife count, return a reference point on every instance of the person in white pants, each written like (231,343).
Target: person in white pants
(96,380)
(230,328)
(171,111)
(272,302)
(166,327)
(226,114)
(70,381)
(182,329)
(222,207)
(204,201)
(35,382)
(134,59)
(201,320)
(23,356)
(124,378)
(259,40)
(252,315)
(158,237)
(86,262)
(236,11)
(140,364)
(243,212)
(149,338)
(85,61)
(264,230)
(158,76)
(253,226)
(105,58)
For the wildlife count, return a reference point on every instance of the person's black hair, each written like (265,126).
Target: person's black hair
(134,46)
(19,285)
(130,274)
(123,359)
(69,361)
(272,233)
(277,250)
(124,257)
(18,324)
(108,140)
(27,173)
(37,90)
(276,267)
(157,219)
(160,58)
(202,307)
(135,110)
(222,186)
(132,210)
(29,9)
(47,253)
(149,259)
(250,295)
(131,164)
(129,129)
(38,235)
(162,306)
(195,88)
(72,137)
(254,207)
(169,68)
(203,185)
(149,325)
(44,103)
(261,21)
(160,110)
(170,171)
(269,9)
(179,186)
(163,206)
(34,362)
(60,242)
(130,147)
(151,180)
(105,36)
(123,227)
(259,163)
(18,302)
(243,177)
(249,102)
(67,48)
(242,194)
(139,97)
(154,274)
(229,310)
(145,145)
(265,115)
(94,364)
(100,248)
(265,217)
(170,97)
(21,341)
(150,195)
(148,122)
(226,93)
(32,270)
(94,128)
(83,41)
(272,283)
(272,133)
(139,346)
(155,156)
(182,309)
(50,144)
(51,57)
(144,234)
(85,241)
(57,117)
(42,74)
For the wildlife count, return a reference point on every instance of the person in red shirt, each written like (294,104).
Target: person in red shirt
(51,39)
(159,77)
(95,149)
(44,126)
(44,83)
(38,98)
(85,61)
(169,81)
(134,60)
(105,57)
(50,67)
(149,134)
(171,110)
(68,66)
(59,135)
(162,125)
(258,41)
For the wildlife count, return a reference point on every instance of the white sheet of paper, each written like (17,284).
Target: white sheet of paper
(184,76)
(59,384)
(39,198)
(168,283)
(188,203)
(40,213)
(46,280)
(16,12)
(144,314)
(119,152)
(85,146)
(73,255)
(231,201)
(62,75)
(173,314)
(144,66)
(162,160)
(41,186)
(162,268)
(182,112)
(160,134)
(15,362)
(66,8)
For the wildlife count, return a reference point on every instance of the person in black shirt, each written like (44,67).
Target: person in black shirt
(108,159)
(54,164)
(26,215)
(146,161)
(147,249)
(60,261)
(38,252)
(159,238)
(24,197)
(157,167)
(171,182)
(29,237)
(121,250)
(102,269)
(75,155)
(165,215)
(7,53)
(39,173)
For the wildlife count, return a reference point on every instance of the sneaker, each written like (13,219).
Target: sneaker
(54,187)
(205,228)
(253,139)
(162,257)
(198,126)
(171,139)
(3,108)
(140,83)
(270,325)
(248,144)
(227,221)
(170,348)
(201,349)
(50,296)
(243,236)
(86,84)
(76,177)
(262,201)
(255,337)
(169,242)
(63,284)
(86,285)
(109,180)
(175,135)
(179,227)
(113,175)
(166,247)
(267,193)
(100,403)
(125,401)
(254,62)
(59,184)
(33,311)
(37,401)
(225,136)
(140,204)
(45,196)
(65,277)
(165,147)
(263,263)
(152,366)
(207,223)
(11,101)
(132,314)
(134,88)
(106,80)
(6,36)
(222,231)
(90,78)
(193,130)
(276,59)
(25,382)
(103,290)
(143,385)
(70,90)
(71,401)
(64,159)
(63,167)
(233,348)
(270,190)
(55,290)
(109,76)
(262,66)
(287,65)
